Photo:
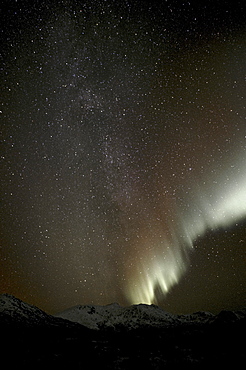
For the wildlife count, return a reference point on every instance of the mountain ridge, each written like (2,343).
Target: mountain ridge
(119,338)
(112,315)
(17,313)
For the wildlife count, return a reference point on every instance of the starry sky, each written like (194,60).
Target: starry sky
(123,155)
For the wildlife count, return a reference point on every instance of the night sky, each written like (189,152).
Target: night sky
(123,157)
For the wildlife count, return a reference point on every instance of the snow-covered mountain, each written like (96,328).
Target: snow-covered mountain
(200,317)
(142,316)
(139,336)
(115,316)
(15,312)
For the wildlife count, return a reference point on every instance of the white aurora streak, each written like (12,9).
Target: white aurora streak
(218,205)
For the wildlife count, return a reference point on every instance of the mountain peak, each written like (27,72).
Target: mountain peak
(114,315)
(9,302)
(15,309)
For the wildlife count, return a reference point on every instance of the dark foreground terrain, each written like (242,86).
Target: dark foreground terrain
(36,340)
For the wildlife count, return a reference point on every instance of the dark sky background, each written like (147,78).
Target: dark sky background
(123,157)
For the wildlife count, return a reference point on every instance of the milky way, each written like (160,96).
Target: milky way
(124,143)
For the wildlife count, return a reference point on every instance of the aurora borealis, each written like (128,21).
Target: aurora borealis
(124,153)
